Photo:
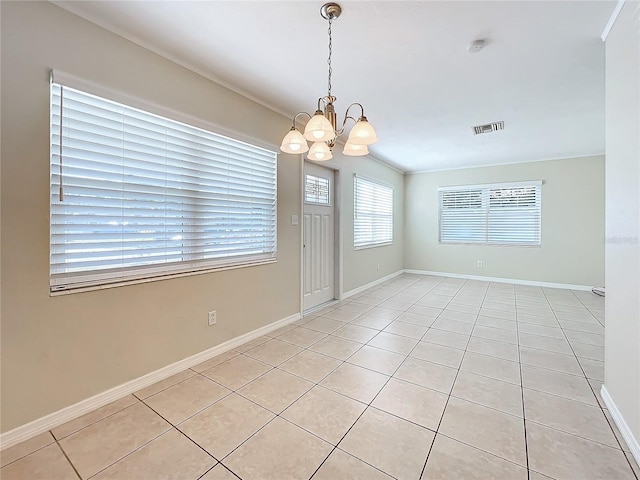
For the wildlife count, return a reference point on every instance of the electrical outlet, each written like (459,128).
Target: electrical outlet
(212,317)
(480,264)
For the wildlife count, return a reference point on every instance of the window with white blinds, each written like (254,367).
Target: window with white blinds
(135,195)
(499,214)
(373,213)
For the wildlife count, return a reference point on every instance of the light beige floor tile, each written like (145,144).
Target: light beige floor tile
(25,448)
(276,390)
(542,330)
(335,347)
(406,329)
(356,333)
(489,392)
(412,402)
(342,466)
(505,315)
(394,343)
(342,315)
(90,418)
(577,317)
(48,463)
(537,320)
(427,374)
(169,456)
(535,312)
(553,361)
(458,306)
(586,337)
(367,300)
(456,315)
(310,365)
(569,416)
(237,372)
(593,369)
(557,345)
(567,457)
(302,337)
(280,451)
(506,351)
(386,313)
(369,321)
(395,304)
(556,383)
(376,359)
(496,334)
(432,352)
(274,352)
(217,360)
(325,413)
(99,445)
(509,325)
(492,367)
(253,344)
(219,472)
(634,464)
(538,476)
(226,424)
(581,326)
(453,326)
(422,309)
(356,382)
(401,455)
(324,325)
(280,331)
(451,460)
(164,384)
(434,301)
(448,339)
(509,306)
(592,352)
(179,402)
(414,318)
(485,428)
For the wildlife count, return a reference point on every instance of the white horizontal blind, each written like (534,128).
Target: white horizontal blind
(373,213)
(499,214)
(316,190)
(148,196)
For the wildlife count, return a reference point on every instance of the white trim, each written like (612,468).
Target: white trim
(356,291)
(525,183)
(618,419)
(40,425)
(612,20)
(501,280)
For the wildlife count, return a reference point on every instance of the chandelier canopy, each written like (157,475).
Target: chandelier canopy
(321,129)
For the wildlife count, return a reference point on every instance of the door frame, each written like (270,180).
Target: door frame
(337,233)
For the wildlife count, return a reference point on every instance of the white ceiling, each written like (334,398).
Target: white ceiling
(542,71)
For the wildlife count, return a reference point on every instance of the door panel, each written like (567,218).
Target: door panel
(318,236)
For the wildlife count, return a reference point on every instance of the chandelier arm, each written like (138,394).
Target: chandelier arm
(295,118)
(344,123)
(358,104)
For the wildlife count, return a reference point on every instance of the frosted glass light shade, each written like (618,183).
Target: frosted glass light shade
(319,129)
(294,142)
(362,133)
(355,150)
(319,152)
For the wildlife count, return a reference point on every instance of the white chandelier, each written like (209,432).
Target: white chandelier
(321,129)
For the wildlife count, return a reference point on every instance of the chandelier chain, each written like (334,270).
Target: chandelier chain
(329,59)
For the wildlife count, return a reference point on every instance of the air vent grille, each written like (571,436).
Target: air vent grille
(488,128)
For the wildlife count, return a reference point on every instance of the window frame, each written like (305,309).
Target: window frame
(311,202)
(372,243)
(197,262)
(482,216)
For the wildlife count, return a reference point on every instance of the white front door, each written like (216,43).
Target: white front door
(318,236)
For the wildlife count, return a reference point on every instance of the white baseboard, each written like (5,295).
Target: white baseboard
(618,419)
(501,280)
(356,291)
(43,424)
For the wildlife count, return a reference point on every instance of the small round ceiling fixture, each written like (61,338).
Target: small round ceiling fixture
(476,46)
(330,11)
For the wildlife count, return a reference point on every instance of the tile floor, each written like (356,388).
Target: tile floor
(419,378)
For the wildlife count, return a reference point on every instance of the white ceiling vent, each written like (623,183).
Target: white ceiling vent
(488,128)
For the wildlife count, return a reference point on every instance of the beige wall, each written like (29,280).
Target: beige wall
(360,267)
(622,308)
(59,350)
(572,250)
